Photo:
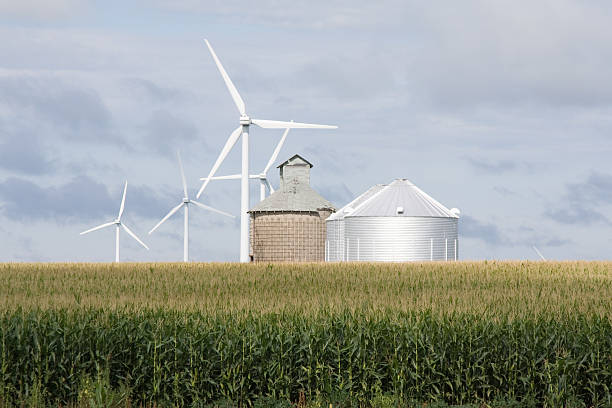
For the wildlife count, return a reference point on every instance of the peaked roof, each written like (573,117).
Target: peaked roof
(295,198)
(293,195)
(399,193)
(347,209)
(294,160)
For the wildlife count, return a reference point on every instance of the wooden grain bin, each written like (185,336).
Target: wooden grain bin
(289,225)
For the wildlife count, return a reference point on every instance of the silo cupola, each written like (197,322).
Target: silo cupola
(295,171)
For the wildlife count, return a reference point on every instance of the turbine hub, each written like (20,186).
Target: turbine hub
(185,201)
(245,120)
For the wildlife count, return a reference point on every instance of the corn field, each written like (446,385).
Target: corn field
(533,333)
(516,289)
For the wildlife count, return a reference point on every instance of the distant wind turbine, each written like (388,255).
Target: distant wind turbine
(185,203)
(263,176)
(118,225)
(539,253)
(245,121)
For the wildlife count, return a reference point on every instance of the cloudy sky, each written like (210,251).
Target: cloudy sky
(502,109)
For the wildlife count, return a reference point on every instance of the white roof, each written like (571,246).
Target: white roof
(399,194)
(341,213)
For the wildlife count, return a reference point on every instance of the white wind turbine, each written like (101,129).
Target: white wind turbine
(185,203)
(538,252)
(263,176)
(243,129)
(118,225)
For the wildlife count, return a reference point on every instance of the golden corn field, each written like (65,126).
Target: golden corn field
(514,289)
(497,334)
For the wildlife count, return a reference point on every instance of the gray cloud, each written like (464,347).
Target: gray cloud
(349,77)
(147,202)
(314,14)
(580,202)
(577,214)
(505,191)
(557,242)
(495,167)
(165,133)
(25,154)
(500,55)
(42,10)
(596,189)
(470,227)
(499,166)
(338,194)
(327,157)
(150,90)
(80,199)
(530,236)
(50,107)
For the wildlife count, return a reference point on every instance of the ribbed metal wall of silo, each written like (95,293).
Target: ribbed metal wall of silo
(335,240)
(400,239)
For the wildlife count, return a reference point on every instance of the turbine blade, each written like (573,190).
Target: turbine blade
(172,211)
(276,152)
(231,177)
(231,141)
(539,253)
(206,207)
(178,153)
(279,124)
(267,183)
(122,201)
(129,231)
(98,227)
(228,82)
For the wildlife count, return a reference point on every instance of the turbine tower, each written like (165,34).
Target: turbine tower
(185,203)
(118,225)
(243,130)
(263,176)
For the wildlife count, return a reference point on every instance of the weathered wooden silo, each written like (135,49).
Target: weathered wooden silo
(289,225)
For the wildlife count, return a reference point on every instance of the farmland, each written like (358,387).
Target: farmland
(509,289)
(348,334)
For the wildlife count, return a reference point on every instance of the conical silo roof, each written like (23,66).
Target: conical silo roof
(401,194)
(350,207)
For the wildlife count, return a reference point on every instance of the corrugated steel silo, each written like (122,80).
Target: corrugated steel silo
(399,222)
(335,225)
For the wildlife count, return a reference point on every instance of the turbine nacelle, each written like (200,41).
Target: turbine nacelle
(245,120)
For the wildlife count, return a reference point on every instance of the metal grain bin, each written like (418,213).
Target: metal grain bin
(399,223)
(335,250)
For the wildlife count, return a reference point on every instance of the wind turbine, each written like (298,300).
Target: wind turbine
(245,121)
(185,203)
(538,252)
(263,176)
(118,225)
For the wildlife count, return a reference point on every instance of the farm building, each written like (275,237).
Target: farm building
(289,225)
(393,222)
